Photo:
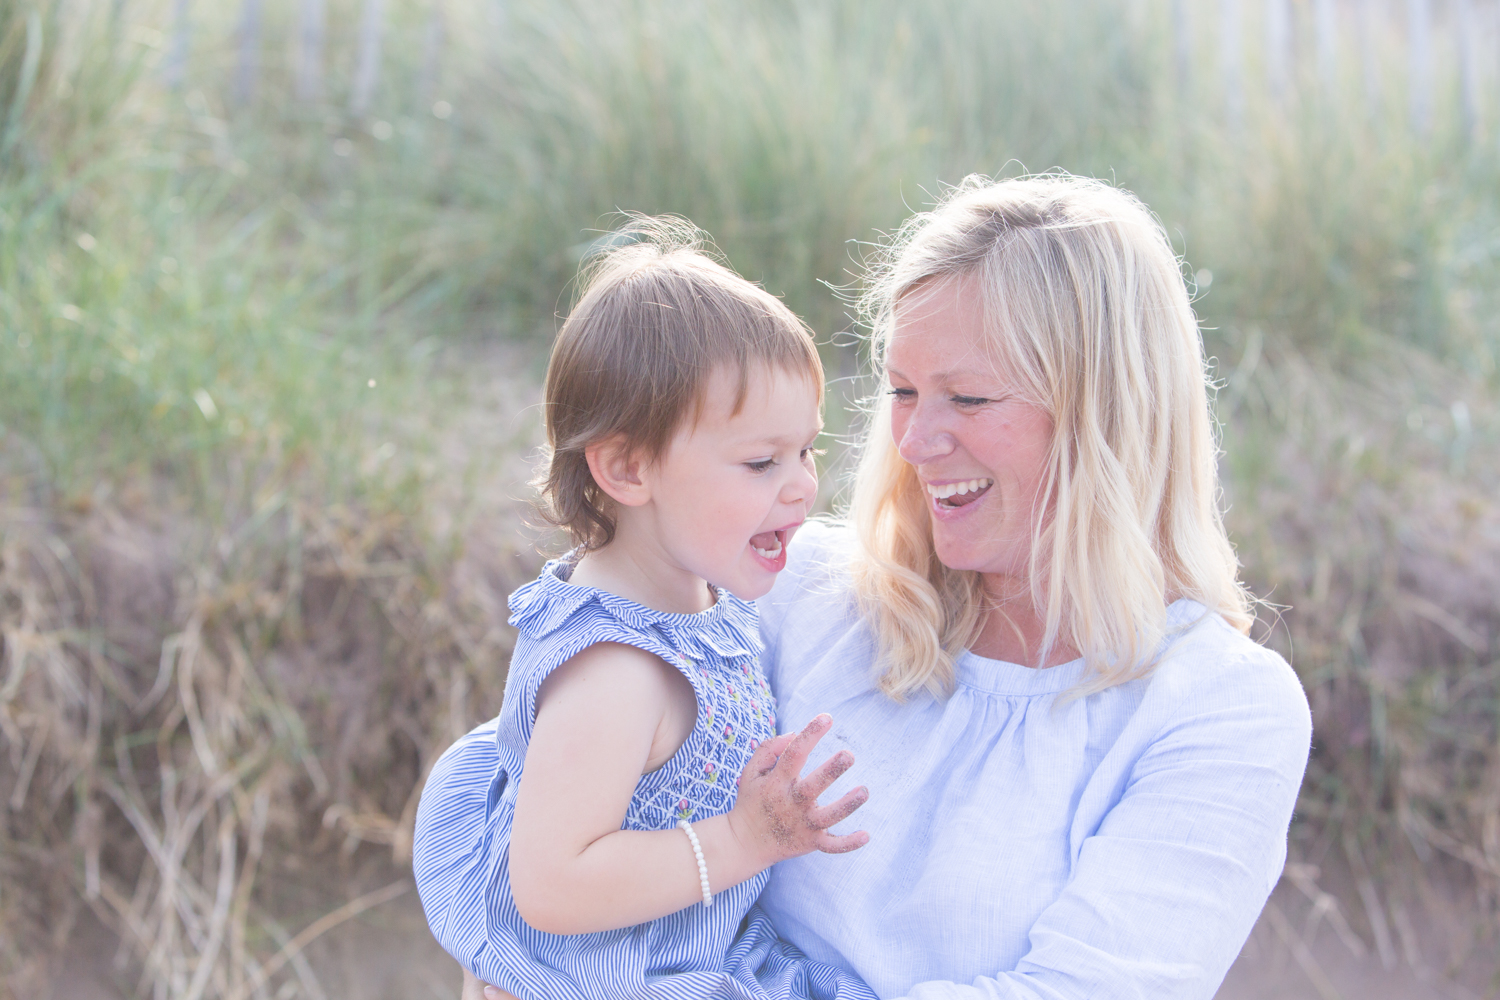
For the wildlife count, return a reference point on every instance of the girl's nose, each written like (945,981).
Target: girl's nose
(802,487)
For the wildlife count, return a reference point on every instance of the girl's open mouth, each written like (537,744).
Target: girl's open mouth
(948,496)
(770,545)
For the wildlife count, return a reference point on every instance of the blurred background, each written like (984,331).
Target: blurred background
(277,280)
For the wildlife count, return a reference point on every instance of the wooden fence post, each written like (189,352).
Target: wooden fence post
(1231,58)
(1364,29)
(1182,48)
(1326,30)
(174,70)
(1468,69)
(310,33)
(1419,42)
(433,41)
(1278,47)
(247,75)
(367,67)
(116,24)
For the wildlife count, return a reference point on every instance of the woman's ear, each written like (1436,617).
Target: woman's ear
(617,468)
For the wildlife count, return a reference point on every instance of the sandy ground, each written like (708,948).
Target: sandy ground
(387,954)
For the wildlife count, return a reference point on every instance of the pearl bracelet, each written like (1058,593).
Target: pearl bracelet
(687,828)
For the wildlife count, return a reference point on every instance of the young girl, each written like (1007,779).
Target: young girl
(590,842)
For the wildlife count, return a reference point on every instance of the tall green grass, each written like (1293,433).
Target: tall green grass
(196,295)
(164,312)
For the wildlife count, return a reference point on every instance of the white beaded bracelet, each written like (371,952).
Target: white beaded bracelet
(687,828)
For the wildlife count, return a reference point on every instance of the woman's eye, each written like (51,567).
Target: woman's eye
(761,465)
(969,400)
(902,394)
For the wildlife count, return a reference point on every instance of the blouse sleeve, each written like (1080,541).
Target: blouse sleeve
(1164,892)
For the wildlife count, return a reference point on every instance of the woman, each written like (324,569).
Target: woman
(1032,634)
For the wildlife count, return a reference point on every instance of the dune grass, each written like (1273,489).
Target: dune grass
(241,339)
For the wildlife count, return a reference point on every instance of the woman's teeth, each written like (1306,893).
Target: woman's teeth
(947,490)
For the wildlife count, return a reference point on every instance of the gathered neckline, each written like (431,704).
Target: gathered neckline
(980,673)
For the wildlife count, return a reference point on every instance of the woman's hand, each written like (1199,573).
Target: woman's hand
(777,815)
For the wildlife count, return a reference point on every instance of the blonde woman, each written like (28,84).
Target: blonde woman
(1033,634)
(1031,630)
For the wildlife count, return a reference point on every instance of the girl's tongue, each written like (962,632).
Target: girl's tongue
(768,543)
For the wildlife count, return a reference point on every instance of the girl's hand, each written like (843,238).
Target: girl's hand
(777,815)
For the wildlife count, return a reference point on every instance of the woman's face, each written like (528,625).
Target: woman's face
(979,450)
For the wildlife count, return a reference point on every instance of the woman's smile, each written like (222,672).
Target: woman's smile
(962,493)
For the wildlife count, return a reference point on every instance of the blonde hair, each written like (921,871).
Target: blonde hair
(656,316)
(1086,308)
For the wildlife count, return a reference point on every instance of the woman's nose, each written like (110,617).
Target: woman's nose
(919,437)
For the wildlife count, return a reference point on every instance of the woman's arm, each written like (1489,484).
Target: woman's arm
(574,871)
(1164,893)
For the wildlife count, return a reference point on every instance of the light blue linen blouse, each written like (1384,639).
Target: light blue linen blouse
(1025,845)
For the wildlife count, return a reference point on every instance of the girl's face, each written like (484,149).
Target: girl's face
(732,488)
(979,450)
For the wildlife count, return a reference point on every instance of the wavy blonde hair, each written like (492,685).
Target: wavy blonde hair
(1086,308)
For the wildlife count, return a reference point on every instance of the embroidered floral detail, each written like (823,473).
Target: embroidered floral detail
(717,651)
(734,703)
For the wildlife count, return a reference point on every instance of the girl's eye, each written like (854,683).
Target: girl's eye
(761,465)
(902,394)
(810,453)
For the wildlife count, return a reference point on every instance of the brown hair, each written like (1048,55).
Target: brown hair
(656,316)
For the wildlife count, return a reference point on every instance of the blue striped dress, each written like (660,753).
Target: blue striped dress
(461,857)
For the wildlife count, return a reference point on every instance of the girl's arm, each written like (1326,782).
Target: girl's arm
(475,990)
(574,871)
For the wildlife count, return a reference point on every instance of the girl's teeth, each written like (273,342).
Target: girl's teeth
(768,553)
(957,489)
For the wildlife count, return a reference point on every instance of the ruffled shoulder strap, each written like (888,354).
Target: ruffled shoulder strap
(545,604)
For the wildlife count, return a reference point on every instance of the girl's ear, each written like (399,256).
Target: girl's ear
(617,468)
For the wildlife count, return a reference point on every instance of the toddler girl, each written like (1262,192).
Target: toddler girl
(608,833)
